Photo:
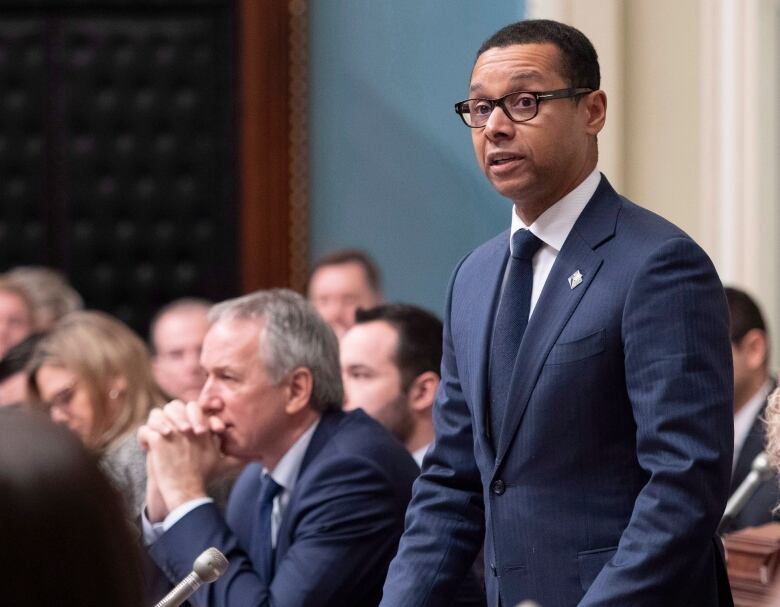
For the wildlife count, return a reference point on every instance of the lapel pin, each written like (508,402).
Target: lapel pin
(575,279)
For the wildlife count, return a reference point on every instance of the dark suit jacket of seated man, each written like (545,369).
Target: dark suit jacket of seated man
(338,528)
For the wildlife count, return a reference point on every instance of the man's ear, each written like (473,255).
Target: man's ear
(299,384)
(595,106)
(422,392)
(755,348)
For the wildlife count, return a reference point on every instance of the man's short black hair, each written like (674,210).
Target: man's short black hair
(579,61)
(344,256)
(745,314)
(419,338)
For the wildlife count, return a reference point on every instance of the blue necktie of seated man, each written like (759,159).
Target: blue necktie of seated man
(269,489)
(509,326)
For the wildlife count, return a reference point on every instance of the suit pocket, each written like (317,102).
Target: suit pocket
(572,351)
(591,562)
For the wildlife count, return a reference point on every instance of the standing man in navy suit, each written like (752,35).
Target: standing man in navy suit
(315,517)
(583,420)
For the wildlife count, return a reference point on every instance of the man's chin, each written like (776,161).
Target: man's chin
(229,448)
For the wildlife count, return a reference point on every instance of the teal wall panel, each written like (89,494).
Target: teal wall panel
(392,168)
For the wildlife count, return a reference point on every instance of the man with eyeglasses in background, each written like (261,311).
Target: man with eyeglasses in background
(583,422)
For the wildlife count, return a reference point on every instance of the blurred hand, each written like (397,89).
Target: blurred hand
(156,510)
(182,455)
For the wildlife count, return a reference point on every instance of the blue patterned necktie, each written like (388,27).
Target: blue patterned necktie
(511,320)
(269,489)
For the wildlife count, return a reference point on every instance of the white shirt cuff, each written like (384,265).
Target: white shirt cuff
(154,531)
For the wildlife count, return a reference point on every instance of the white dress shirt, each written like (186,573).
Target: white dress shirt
(552,227)
(419,454)
(284,474)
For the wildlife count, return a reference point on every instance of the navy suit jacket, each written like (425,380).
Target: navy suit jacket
(611,470)
(337,535)
(758,509)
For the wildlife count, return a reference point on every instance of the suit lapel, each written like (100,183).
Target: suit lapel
(482,306)
(557,303)
(329,423)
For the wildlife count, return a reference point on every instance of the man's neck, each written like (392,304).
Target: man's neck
(421,435)
(298,429)
(529,210)
(748,391)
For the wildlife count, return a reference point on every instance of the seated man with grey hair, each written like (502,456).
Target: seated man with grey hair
(315,518)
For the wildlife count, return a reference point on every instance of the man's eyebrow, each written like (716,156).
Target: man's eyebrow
(517,79)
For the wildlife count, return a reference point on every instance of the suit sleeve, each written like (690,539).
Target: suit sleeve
(679,379)
(445,520)
(347,526)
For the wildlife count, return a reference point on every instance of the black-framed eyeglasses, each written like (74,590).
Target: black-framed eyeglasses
(519,106)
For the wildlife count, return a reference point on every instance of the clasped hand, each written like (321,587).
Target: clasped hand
(183,454)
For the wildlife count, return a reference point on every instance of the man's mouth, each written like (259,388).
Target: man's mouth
(499,159)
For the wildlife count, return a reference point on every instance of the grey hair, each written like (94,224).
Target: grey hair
(293,335)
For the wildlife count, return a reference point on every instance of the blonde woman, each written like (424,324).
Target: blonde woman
(93,375)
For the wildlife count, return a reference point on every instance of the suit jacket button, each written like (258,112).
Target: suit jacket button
(498,487)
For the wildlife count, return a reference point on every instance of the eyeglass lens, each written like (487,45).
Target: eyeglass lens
(520,106)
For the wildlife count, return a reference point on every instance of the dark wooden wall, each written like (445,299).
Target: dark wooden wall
(143,147)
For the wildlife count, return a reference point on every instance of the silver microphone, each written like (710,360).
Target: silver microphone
(206,568)
(760,471)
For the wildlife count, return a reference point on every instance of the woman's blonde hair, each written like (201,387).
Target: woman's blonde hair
(99,349)
(772,423)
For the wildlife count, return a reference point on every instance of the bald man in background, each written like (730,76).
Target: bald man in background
(176,338)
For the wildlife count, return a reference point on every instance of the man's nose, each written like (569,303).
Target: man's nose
(209,399)
(206,393)
(498,124)
(209,404)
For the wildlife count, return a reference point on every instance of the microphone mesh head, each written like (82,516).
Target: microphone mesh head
(762,466)
(210,565)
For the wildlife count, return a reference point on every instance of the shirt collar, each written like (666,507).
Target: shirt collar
(420,454)
(286,472)
(743,419)
(553,226)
